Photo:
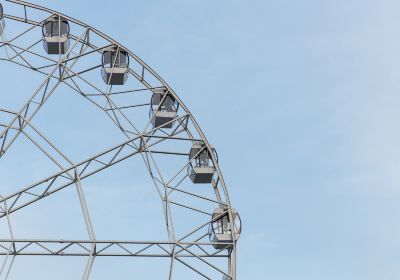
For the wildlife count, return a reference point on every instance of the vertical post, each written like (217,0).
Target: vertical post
(233,261)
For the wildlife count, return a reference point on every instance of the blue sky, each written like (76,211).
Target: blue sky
(300,98)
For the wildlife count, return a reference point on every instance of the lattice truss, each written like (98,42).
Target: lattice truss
(164,145)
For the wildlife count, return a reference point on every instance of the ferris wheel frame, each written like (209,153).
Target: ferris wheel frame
(137,143)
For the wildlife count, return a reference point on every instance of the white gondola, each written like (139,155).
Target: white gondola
(220,232)
(1,19)
(163,108)
(56,35)
(115,66)
(201,170)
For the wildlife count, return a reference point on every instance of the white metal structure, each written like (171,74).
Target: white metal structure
(85,60)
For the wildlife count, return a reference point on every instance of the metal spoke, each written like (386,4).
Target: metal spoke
(104,248)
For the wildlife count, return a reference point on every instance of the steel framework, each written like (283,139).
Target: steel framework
(142,140)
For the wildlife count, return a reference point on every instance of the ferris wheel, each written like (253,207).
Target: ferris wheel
(155,126)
